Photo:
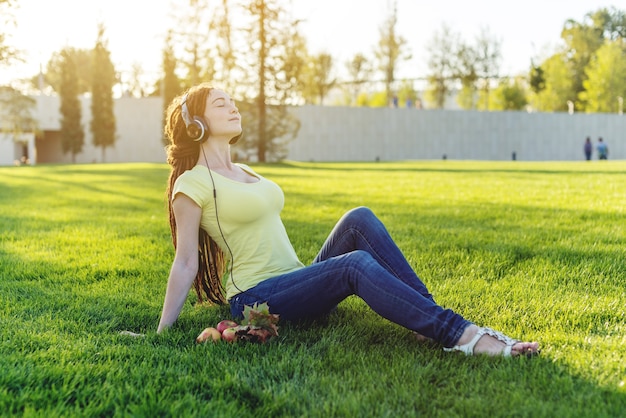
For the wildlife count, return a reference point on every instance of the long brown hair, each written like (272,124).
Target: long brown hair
(182,155)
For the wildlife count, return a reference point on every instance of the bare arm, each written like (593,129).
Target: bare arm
(185,265)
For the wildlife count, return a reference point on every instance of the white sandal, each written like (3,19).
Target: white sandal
(468,348)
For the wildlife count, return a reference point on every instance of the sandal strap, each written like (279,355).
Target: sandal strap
(468,348)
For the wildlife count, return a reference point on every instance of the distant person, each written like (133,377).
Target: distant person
(588,148)
(248,243)
(603,150)
(395,101)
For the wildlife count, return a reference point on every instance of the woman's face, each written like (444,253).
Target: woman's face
(222,115)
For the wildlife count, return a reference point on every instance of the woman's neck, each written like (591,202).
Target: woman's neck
(215,156)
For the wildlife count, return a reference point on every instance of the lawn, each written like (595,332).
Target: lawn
(536,250)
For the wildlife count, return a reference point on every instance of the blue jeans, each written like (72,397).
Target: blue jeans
(358,258)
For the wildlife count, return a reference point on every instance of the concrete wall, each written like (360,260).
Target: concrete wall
(360,134)
(15,150)
(364,134)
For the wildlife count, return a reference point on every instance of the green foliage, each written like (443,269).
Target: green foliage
(294,83)
(83,73)
(537,80)
(558,85)
(576,72)
(606,79)
(509,95)
(406,92)
(8,54)
(269,56)
(103,125)
(442,49)
(16,112)
(453,62)
(318,78)
(72,133)
(281,125)
(359,70)
(391,50)
(373,99)
(194,33)
(532,249)
(171,85)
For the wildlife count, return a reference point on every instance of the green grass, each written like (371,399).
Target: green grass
(534,249)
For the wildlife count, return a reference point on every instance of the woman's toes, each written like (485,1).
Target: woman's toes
(524,348)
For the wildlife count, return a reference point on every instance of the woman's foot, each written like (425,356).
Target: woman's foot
(476,340)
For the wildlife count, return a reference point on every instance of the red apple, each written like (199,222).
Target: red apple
(226,323)
(209,334)
(230,334)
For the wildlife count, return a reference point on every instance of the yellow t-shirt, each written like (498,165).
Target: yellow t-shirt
(249,217)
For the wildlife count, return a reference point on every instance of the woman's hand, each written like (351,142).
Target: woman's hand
(132,334)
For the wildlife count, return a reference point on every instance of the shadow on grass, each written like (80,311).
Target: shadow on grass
(543,168)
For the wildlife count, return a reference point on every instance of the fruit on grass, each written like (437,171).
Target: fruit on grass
(259,326)
(226,323)
(230,334)
(209,334)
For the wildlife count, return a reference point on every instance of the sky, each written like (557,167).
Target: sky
(135,28)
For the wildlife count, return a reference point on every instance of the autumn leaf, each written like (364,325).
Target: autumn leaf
(260,321)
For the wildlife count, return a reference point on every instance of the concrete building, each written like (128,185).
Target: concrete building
(330,133)
(138,134)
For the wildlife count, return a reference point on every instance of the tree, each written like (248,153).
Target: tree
(319,82)
(583,39)
(509,95)
(391,49)
(537,78)
(194,34)
(558,85)
(374,99)
(72,133)
(171,85)
(102,117)
(359,70)
(606,79)
(273,124)
(442,66)
(134,84)
(467,73)
(406,92)
(294,85)
(82,60)
(15,112)
(7,52)
(227,64)
(488,57)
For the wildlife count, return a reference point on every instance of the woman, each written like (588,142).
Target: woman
(225,214)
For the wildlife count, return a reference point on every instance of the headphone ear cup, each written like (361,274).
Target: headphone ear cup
(198,130)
